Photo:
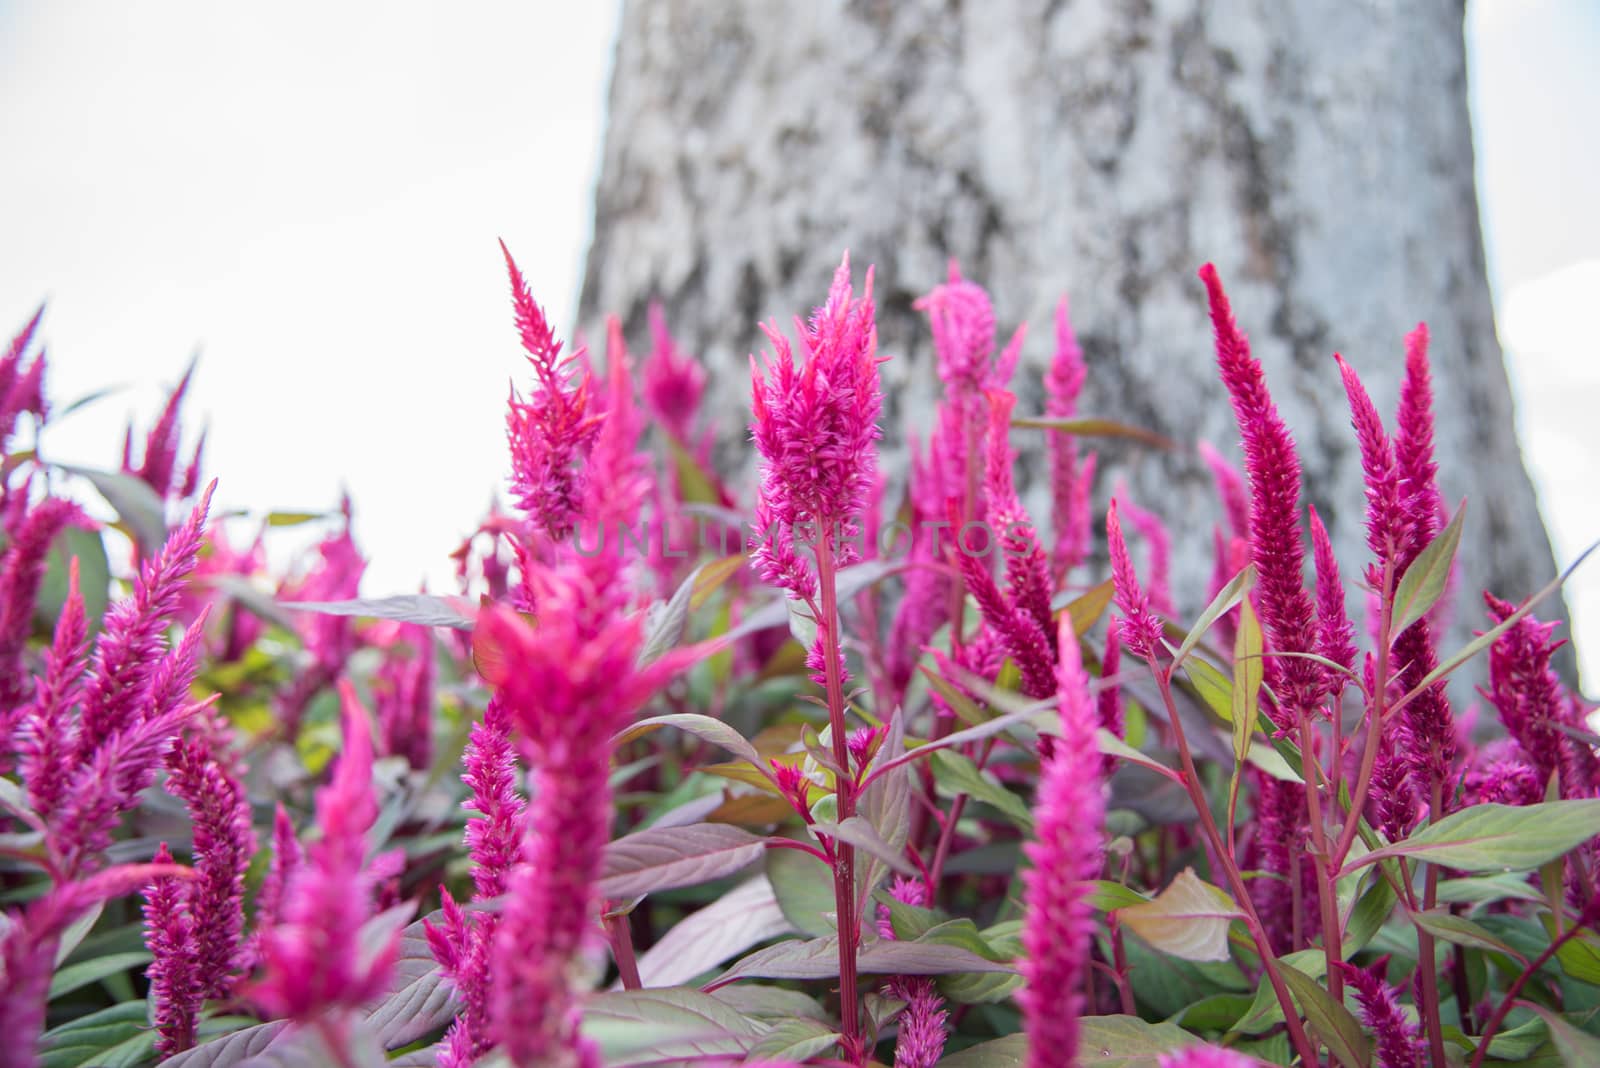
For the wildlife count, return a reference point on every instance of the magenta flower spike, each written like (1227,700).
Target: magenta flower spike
(815,425)
(22,567)
(1534,705)
(494,840)
(1231,490)
(1273,466)
(403,696)
(961,318)
(159,464)
(1063,382)
(314,961)
(1140,630)
(21,389)
(551,431)
(568,684)
(45,739)
(1058,922)
(176,987)
(287,857)
(1154,533)
(1028,579)
(1413,442)
(1335,632)
(1399,1045)
(673,380)
(29,939)
(129,648)
(1389,533)
(224,844)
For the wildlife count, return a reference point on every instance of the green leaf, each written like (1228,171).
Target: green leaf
(1579,956)
(803,886)
(1188,920)
(1214,688)
(1460,931)
(795,1040)
(1103,1041)
(695,486)
(1113,746)
(294,519)
(1577,1048)
(885,806)
(1008,1052)
(138,506)
(1330,1020)
(1219,1012)
(663,858)
(1248,668)
(970,988)
(1424,581)
(1233,593)
(1106,895)
(1089,426)
(1266,1011)
(1372,909)
(79,975)
(1486,890)
(1086,609)
(959,775)
(94,577)
(1499,838)
(860,834)
(670,1023)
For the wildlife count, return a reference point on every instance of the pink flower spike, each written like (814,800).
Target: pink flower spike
(175,984)
(815,425)
(129,647)
(1027,568)
(1399,1045)
(22,568)
(1069,479)
(1154,533)
(552,430)
(28,950)
(1231,490)
(1141,629)
(673,380)
(1058,923)
(224,844)
(1388,528)
(1335,632)
(314,960)
(1276,544)
(962,320)
(48,724)
(1413,443)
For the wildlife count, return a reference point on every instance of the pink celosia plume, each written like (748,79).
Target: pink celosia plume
(1278,550)
(1058,922)
(315,963)
(1140,630)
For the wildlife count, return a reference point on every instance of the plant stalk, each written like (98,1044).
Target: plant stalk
(844,876)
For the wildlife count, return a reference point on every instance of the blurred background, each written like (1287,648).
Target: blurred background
(309,196)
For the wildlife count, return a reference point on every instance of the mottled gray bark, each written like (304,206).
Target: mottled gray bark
(1319,153)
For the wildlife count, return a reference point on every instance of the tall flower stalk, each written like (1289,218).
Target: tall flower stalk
(815,426)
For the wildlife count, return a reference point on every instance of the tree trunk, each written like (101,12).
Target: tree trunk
(1318,153)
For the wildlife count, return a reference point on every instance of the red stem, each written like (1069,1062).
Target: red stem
(844,877)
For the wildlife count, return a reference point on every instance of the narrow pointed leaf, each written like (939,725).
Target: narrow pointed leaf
(1233,593)
(1424,581)
(1499,838)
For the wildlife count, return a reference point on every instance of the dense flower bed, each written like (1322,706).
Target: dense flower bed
(826,774)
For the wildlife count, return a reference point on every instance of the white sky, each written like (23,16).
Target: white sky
(310,194)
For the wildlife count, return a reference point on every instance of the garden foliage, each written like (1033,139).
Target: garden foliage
(837,771)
